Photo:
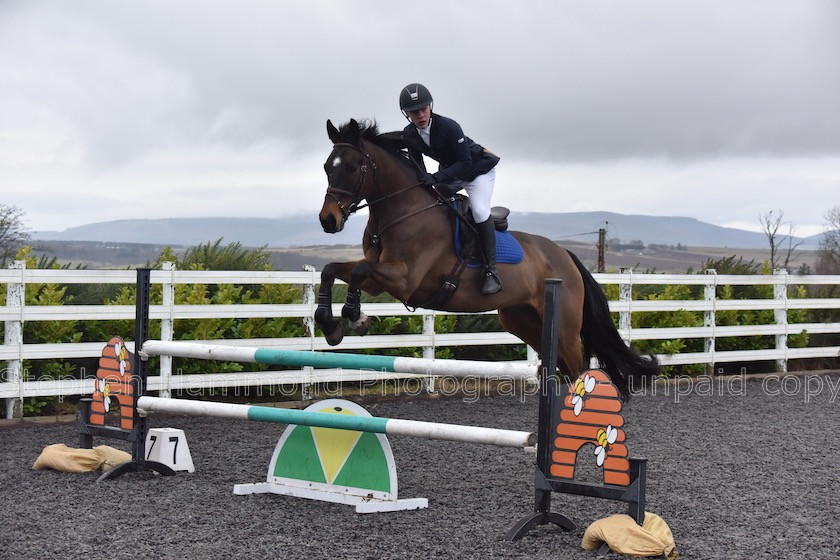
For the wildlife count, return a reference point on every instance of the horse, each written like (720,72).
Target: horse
(408,252)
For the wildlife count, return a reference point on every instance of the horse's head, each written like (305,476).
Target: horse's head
(349,170)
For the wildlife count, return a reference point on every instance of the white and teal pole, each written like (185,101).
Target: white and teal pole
(390,426)
(301,358)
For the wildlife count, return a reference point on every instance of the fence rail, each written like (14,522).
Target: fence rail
(15,313)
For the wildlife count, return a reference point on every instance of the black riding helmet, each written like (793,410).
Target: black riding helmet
(414,96)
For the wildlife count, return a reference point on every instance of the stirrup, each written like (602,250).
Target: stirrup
(491,283)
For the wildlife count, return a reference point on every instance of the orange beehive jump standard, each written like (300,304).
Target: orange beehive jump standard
(589,413)
(120,380)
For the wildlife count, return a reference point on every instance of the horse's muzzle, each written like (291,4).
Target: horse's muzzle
(329,222)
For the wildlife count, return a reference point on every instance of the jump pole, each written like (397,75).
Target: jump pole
(389,426)
(301,358)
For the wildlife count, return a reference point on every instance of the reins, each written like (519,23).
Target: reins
(375,236)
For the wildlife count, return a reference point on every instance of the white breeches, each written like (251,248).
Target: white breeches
(480,191)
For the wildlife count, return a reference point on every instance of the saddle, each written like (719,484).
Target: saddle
(499,214)
(467,248)
(466,242)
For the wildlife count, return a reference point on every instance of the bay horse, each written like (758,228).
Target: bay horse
(408,250)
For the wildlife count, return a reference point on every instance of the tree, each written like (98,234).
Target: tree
(13,232)
(233,256)
(829,251)
(771,223)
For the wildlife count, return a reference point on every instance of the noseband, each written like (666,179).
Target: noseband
(355,195)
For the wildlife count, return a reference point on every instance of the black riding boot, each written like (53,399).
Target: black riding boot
(490,283)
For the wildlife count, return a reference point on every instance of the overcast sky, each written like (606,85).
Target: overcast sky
(716,110)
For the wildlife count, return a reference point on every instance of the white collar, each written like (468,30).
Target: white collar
(427,130)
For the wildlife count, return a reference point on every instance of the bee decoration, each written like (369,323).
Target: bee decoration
(606,437)
(583,385)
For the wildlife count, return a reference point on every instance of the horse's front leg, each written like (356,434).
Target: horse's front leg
(333,330)
(352,310)
(356,275)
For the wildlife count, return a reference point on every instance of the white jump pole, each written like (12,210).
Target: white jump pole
(300,358)
(390,426)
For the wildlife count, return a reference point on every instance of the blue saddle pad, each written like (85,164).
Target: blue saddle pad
(508,249)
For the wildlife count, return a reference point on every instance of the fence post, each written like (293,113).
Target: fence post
(429,329)
(13,336)
(709,320)
(625,293)
(167,328)
(429,351)
(780,314)
(532,356)
(309,299)
(307,388)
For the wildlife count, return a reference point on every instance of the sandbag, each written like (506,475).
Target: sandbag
(111,457)
(625,536)
(62,458)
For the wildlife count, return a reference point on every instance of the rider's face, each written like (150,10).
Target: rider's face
(420,117)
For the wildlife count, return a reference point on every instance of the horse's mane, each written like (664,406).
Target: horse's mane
(363,129)
(368,131)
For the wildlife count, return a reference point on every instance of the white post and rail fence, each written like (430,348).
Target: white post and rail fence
(15,312)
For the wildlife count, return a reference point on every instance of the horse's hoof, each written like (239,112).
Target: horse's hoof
(336,335)
(362,326)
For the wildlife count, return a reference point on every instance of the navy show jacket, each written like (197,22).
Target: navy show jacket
(459,157)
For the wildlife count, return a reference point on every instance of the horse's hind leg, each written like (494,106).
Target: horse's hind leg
(525,322)
(569,352)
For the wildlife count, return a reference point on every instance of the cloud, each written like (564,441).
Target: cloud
(638,102)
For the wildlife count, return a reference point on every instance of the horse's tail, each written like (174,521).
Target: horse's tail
(600,338)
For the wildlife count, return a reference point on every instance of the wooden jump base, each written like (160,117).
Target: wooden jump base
(301,358)
(390,426)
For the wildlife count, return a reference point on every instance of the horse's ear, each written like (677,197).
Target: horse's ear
(333,133)
(354,128)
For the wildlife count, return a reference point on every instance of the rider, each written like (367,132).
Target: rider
(463,165)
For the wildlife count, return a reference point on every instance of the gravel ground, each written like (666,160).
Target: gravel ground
(744,470)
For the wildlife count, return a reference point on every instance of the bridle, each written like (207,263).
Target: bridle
(355,195)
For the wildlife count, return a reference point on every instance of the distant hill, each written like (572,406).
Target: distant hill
(304,230)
